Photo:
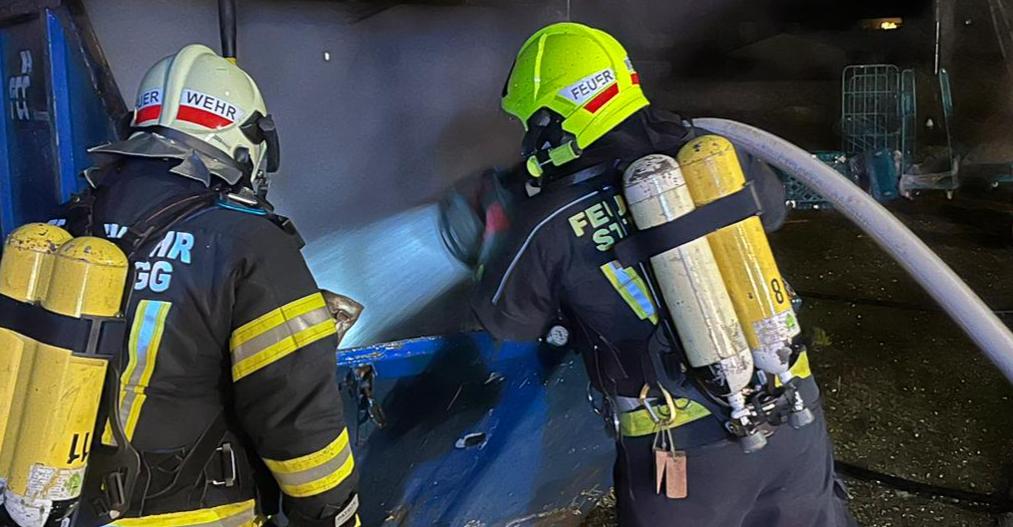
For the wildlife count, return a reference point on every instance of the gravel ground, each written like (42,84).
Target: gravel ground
(905,391)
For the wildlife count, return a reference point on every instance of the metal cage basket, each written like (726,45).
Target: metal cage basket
(871,117)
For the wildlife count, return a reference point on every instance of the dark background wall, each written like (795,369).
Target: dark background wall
(382,106)
(408,101)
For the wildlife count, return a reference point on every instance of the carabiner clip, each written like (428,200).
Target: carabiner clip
(669,402)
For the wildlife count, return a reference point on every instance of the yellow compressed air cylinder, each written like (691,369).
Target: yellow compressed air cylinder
(690,283)
(55,435)
(12,360)
(29,254)
(49,452)
(742,252)
(28,257)
(89,275)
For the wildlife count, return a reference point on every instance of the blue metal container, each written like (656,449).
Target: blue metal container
(476,433)
(59,100)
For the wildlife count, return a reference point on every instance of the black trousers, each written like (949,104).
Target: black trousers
(790,483)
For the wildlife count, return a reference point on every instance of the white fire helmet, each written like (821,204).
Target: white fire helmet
(209,98)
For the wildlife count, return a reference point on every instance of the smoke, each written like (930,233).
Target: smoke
(394,267)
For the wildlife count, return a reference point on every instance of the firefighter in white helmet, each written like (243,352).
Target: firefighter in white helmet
(226,396)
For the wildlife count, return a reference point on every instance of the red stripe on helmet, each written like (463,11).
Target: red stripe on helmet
(202,117)
(602,98)
(148,113)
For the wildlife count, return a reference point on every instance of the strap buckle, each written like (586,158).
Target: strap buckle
(228,466)
(669,402)
(114,492)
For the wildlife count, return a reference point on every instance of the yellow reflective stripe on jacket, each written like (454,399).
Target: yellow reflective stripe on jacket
(231,515)
(278,333)
(316,472)
(629,284)
(143,345)
(638,422)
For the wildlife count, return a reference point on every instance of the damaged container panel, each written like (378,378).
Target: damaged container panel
(474,433)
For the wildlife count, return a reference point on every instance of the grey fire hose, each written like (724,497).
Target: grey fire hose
(959,301)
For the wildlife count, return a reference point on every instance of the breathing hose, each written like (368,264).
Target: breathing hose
(967,500)
(956,298)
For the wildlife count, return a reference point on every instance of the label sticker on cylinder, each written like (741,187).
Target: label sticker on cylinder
(27,511)
(51,483)
(654,175)
(777,330)
(791,322)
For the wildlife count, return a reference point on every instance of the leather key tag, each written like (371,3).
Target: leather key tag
(660,467)
(670,473)
(675,475)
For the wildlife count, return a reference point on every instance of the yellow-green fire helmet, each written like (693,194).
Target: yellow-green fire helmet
(570,85)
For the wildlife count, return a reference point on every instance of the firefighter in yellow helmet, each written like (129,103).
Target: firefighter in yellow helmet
(227,403)
(586,119)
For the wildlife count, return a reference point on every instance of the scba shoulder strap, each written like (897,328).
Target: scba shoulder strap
(78,215)
(163,217)
(729,210)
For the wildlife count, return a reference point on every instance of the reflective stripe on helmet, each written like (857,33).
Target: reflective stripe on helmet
(149,106)
(207,110)
(602,98)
